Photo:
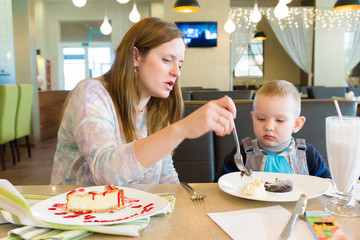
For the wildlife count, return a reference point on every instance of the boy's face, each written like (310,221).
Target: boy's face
(275,119)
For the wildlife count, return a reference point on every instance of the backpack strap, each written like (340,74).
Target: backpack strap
(248,147)
(299,162)
(254,157)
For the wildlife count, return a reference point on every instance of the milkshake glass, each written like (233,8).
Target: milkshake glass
(343,152)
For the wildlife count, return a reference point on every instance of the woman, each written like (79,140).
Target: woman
(121,128)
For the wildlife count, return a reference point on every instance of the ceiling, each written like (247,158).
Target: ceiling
(233,3)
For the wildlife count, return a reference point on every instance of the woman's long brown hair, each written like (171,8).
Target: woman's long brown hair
(121,85)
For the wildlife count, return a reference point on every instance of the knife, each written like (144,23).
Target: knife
(298,210)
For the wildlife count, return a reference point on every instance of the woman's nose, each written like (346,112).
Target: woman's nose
(175,70)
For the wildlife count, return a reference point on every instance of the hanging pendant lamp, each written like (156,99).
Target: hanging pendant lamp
(186,6)
(260,36)
(281,10)
(79,3)
(346,5)
(105,27)
(229,26)
(256,14)
(134,15)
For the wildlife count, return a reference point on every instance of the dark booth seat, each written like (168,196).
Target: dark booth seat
(212,95)
(316,112)
(194,159)
(325,92)
(186,95)
(356,90)
(197,160)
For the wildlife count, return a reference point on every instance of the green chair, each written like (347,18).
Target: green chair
(23,116)
(8,105)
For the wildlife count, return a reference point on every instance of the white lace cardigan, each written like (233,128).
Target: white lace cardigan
(90,150)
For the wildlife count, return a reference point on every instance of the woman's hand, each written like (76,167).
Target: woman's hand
(216,115)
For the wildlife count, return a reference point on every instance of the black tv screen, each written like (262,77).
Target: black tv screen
(199,34)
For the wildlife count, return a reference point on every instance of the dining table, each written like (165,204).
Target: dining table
(189,218)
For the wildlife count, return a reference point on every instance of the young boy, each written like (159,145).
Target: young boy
(276,115)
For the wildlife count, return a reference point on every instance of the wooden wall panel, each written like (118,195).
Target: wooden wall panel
(50,104)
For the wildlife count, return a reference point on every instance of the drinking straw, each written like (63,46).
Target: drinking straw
(338,109)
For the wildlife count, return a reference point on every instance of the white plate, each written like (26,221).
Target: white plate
(53,209)
(233,183)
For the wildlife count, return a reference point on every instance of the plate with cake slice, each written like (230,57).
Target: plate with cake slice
(273,187)
(99,205)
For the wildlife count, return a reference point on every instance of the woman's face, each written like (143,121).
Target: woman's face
(159,69)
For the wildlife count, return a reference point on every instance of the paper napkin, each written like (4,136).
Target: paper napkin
(15,209)
(259,223)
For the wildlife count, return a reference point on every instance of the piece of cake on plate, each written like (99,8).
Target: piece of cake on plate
(280,185)
(79,200)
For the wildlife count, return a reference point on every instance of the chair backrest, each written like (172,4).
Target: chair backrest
(186,95)
(23,113)
(326,92)
(316,111)
(8,105)
(356,91)
(303,89)
(194,158)
(191,88)
(211,95)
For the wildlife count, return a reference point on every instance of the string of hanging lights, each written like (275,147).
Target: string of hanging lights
(334,20)
(325,19)
(240,17)
(292,21)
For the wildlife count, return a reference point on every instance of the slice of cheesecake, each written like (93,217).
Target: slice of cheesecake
(79,200)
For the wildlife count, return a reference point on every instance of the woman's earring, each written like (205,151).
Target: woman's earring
(135,73)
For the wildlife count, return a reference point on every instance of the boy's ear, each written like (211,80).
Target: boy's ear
(299,123)
(252,114)
(136,57)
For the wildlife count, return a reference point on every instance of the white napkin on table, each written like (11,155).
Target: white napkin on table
(15,209)
(260,223)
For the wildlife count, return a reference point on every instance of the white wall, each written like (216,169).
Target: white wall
(328,53)
(7,62)
(117,13)
(25,55)
(41,24)
(209,67)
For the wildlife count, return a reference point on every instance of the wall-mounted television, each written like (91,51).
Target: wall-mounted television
(199,34)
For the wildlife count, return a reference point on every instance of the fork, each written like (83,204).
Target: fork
(238,159)
(194,195)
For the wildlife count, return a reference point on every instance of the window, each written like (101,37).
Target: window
(251,63)
(86,53)
(353,76)
(74,66)
(80,62)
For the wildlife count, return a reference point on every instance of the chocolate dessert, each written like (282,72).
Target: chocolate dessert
(279,185)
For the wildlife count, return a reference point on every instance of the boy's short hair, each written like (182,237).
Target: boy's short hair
(282,89)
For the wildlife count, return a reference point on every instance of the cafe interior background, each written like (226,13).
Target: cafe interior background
(53,44)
